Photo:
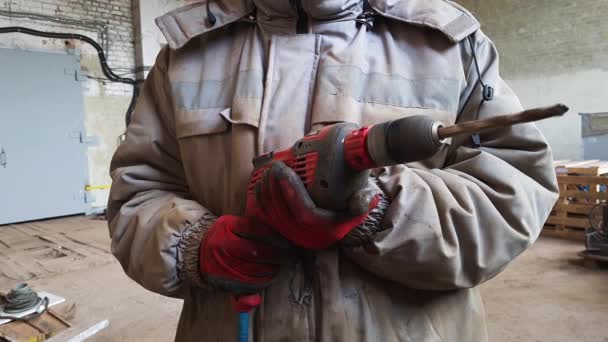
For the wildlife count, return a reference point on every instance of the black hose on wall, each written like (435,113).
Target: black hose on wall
(102,59)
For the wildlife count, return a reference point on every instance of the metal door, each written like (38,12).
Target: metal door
(43,164)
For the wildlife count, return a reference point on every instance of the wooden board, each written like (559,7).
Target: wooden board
(586,197)
(570,222)
(564,233)
(574,208)
(584,167)
(35,330)
(582,180)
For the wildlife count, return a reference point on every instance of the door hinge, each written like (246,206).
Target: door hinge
(3,158)
(89,140)
(88,197)
(77,74)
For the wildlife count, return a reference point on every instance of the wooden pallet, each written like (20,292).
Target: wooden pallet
(582,185)
(585,167)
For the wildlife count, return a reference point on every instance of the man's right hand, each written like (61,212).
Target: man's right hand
(240,255)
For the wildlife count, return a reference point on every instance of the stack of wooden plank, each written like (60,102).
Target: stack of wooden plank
(582,185)
(36,329)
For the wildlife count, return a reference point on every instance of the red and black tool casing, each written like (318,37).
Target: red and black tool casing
(356,150)
(323,164)
(334,162)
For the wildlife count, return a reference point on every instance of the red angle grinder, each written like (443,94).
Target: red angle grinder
(335,162)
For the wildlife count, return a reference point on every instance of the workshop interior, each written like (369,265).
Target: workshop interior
(303,170)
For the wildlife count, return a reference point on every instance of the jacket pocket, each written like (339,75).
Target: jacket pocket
(209,121)
(355,94)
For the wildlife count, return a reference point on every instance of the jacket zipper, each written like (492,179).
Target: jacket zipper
(302,24)
(316,295)
(312,287)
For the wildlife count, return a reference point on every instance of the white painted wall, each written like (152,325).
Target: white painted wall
(552,51)
(583,91)
(152,39)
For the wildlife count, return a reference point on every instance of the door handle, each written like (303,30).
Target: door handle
(3,158)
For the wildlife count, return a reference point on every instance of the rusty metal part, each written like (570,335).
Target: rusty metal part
(529,115)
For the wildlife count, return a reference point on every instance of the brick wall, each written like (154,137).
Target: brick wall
(545,37)
(116,14)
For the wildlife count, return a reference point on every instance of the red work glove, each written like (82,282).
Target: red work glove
(281,201)
(241,256)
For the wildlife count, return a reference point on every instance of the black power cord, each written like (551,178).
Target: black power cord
(487,92)
(105,68)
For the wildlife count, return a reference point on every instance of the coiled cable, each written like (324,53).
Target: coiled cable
(23,298)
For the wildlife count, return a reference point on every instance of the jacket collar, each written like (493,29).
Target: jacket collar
(185,23)
(445,16)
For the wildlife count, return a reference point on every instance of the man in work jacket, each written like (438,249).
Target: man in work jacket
(244,77)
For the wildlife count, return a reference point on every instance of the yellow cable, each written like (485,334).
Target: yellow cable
(96,187)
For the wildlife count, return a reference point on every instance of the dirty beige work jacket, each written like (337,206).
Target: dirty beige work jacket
(257,80)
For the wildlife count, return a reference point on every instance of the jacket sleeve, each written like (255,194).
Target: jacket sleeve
(154,225)
(460,225)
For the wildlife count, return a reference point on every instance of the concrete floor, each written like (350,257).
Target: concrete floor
(548,295)
(545,295)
